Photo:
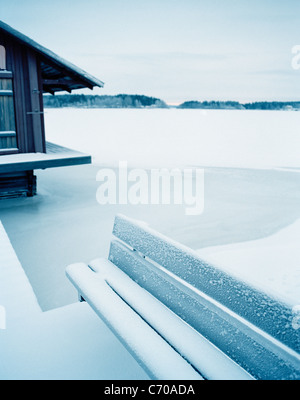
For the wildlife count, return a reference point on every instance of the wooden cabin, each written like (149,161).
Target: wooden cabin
(27,70)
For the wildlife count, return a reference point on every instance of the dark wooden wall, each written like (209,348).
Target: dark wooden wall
(18,184)
(24,64)
(8,138)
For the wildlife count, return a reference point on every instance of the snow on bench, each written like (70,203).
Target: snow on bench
(182,318)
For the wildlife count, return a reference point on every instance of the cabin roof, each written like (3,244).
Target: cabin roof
(57,73)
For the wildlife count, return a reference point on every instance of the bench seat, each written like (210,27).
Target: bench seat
(182,318)
(148,329)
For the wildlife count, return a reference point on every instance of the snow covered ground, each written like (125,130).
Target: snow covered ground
(59,344)
(150,137)
(250,224)
(271,263)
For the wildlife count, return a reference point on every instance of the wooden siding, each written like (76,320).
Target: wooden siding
(37,113)
(7,116)
(27,88)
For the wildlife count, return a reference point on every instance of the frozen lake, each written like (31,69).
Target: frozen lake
(172,137)
(252,187)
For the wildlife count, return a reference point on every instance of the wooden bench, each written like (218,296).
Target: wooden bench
(182,318)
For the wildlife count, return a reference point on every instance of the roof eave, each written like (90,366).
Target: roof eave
(70,69)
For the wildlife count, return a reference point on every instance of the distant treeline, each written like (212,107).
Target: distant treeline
(90,101)
(140,101)
(235,105)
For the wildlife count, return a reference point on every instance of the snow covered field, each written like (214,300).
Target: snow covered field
(163,137)
(250,224)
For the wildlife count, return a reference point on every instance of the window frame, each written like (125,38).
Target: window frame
(4,74)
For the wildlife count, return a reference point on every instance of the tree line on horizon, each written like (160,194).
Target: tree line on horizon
(105,101)
(142,101)
(258,105)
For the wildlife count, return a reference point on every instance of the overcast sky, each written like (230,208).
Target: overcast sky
(176,50)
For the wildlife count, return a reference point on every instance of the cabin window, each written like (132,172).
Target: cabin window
(2,58)
(8,139)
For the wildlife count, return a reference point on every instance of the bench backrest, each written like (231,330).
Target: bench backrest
(251,327)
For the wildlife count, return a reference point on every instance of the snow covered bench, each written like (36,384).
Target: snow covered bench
(182,318)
